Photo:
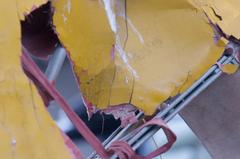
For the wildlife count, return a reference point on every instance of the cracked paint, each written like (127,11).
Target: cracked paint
(165,40)
(127,54)
(171,40)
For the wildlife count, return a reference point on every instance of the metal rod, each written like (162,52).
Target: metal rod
(178,99)
(55,64)
(116,135)
(174,107)
(170,106)
(214,72)
(217,74)
(150,133)
(125,130)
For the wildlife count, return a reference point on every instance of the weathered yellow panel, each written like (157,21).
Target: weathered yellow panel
(26,129)
(168,46)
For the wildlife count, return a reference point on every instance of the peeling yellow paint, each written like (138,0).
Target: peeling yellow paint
(225,13)
(26,129)
(169,46)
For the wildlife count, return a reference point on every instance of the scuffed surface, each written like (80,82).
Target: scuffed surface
(160,49)
(26,129)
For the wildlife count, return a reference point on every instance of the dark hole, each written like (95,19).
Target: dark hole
(38,34)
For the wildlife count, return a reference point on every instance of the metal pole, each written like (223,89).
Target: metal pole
(55,64)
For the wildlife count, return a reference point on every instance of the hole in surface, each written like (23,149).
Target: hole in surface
(38,34)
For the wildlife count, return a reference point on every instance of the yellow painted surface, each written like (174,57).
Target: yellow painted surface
(169,46)
(227,11)
(26,129)
(24,7)
(229,68)
(83,28)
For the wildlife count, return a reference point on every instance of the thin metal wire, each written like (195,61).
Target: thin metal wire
(116,135)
